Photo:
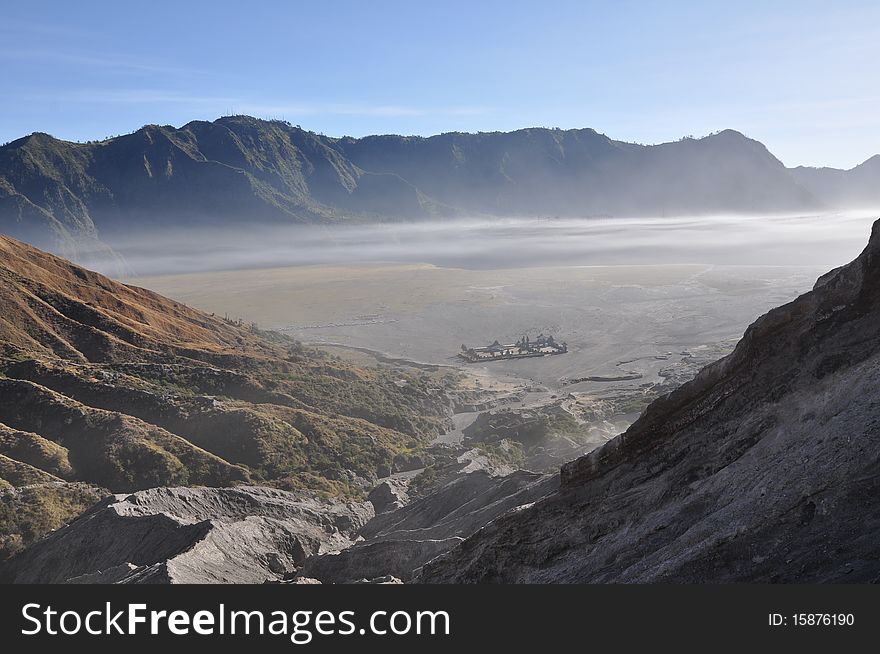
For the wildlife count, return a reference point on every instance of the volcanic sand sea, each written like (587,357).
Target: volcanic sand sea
(675,285)
(422,312)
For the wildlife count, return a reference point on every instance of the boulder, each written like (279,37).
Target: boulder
(389,495)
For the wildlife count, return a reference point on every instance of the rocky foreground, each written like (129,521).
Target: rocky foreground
(764,468)
(253,534)
(247,534)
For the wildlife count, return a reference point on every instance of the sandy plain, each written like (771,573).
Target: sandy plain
(617,320)
(630,297)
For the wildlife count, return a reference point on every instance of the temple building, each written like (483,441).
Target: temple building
(524,347)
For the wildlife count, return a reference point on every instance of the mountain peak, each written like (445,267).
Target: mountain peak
(729,134)
(735,138)
(872,163)
(35,138)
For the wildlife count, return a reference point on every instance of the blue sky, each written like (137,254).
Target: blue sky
(802,77)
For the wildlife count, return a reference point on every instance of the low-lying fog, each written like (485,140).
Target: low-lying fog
(827,240)
(628,296)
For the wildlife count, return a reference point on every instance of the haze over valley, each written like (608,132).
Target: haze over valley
(420,290)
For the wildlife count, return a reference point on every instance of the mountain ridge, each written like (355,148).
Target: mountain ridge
(239,170)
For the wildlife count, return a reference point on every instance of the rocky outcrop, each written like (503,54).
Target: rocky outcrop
(399,558)
(191,535)
(253,534)
(384,580)
(389,495)
(398,542)
(765,467)
(460,506)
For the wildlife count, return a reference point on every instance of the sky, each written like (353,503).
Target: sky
(800,76)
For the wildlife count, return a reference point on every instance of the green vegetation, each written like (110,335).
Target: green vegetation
(31,512)
(17,473)
(36,451)
(506,453)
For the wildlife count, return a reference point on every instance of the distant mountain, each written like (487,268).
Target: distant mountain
(75,197)
(857,187)
(108,386)
(582,173)
(234,170)
(764,468)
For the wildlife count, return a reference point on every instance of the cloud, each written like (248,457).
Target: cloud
(503,243)
(136,96)
(103,61)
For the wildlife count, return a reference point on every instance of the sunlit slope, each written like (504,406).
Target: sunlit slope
(114,385)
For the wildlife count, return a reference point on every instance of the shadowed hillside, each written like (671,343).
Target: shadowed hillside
(856,187)
(581,173)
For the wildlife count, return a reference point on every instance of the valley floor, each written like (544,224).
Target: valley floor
(615,319)
(633,332)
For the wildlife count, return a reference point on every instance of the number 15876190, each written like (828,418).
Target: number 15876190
(811,620)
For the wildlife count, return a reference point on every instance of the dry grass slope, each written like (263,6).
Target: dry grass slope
(115,386)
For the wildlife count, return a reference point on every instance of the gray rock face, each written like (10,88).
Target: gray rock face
(460,506)
(389,495)
(386,580)
(255,535)
(399,558)
(191,535)
(400,541)
(765,467)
